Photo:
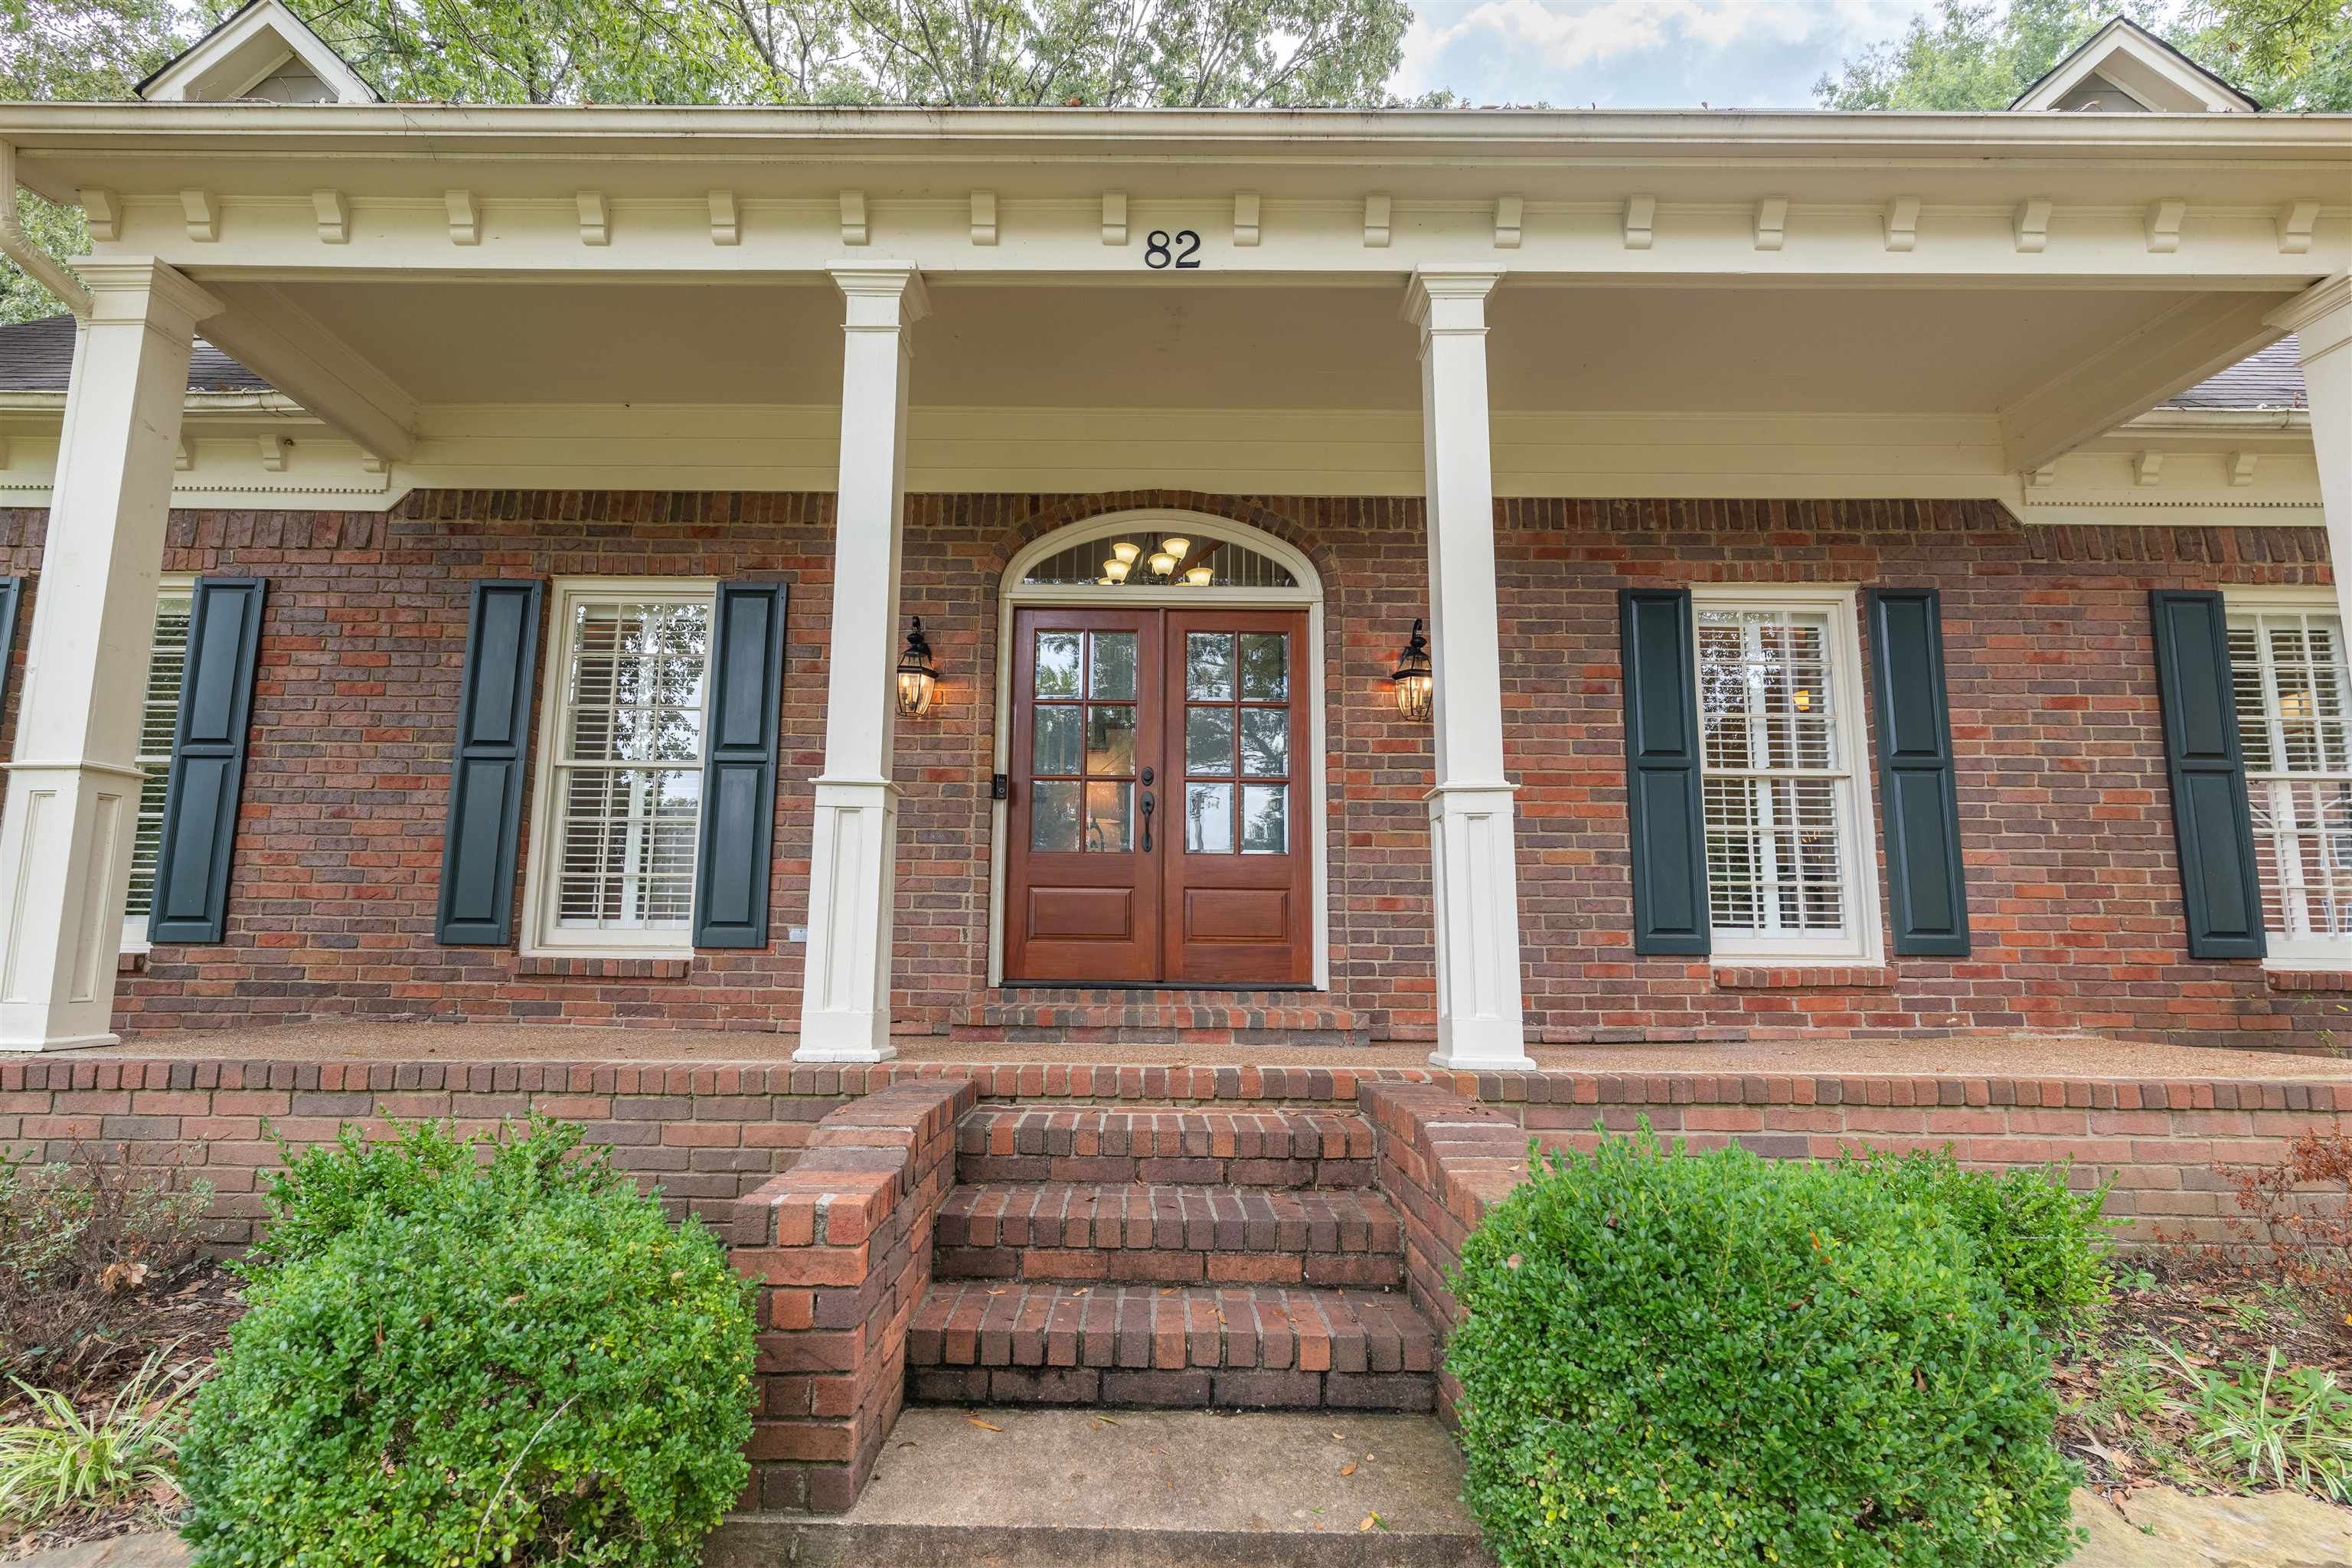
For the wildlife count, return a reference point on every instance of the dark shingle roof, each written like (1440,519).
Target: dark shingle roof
(38,356)
(2271,379)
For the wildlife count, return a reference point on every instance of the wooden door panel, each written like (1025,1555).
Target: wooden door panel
(1083,891)
(1237,798)
(1237,914)
(1082,914)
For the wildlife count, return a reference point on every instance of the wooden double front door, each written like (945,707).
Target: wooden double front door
(1160,792)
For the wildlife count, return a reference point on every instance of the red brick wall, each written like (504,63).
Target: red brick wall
(2073,889)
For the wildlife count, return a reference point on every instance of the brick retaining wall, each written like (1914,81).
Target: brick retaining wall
(841,1245)
(712,1132)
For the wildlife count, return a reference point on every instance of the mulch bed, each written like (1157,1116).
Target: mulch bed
(2216,1318)
(189,1320)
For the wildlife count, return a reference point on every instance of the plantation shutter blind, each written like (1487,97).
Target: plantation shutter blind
(1662,772)
(739,779)
(486,773)
(1927,896)
(194,851)
(2210,820)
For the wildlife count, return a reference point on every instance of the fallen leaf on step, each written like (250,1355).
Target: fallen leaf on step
(1105,1421)
(1348,1469)
(987,1426)
(1370,1519)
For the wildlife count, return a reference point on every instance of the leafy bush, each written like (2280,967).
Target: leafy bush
(63,1461)
(1703,1360)
(450,1363)
(2045,1242)
(84,1241)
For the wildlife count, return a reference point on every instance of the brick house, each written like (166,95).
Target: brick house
(1493,579)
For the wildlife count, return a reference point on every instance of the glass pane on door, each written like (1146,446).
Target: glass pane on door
(1208,819)
(1082,742)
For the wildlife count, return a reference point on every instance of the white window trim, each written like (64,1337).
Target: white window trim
(539,938)
(134,927)
(1864,944)
(2285,952)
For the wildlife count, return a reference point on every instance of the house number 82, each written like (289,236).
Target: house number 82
(1157,252)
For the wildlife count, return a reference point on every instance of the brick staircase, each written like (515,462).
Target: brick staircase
(1171,1257)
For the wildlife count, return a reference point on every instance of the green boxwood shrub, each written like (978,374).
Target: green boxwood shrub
(454,1360)
(2045,1242)
(1713,1358)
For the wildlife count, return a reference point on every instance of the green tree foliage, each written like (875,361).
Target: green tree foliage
(1115,53)
(1981,54)
(2286,53)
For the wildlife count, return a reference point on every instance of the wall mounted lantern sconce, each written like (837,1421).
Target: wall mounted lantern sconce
(917,679)
(1413,682)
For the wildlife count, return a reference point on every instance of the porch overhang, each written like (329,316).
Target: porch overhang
(1695,303)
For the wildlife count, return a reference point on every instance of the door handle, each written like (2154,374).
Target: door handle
(1146,845)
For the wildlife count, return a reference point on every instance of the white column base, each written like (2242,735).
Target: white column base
(64,861)
(853,878)
(1481,1024)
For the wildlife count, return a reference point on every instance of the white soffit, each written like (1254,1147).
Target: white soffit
(262,43)
(2159,78)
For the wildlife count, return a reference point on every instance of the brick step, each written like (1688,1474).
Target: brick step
(1246,1347)
(1169,1235)
(1082,1007)
(1094,1143)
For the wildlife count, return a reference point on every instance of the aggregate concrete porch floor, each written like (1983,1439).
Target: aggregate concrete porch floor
(2019,1055)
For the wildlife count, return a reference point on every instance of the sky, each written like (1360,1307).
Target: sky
(1640,54)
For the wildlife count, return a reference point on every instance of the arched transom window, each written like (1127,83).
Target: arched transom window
(1145,556)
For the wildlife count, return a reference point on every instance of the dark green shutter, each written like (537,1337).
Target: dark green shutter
(12,597)
(739,778)
(2210,819)
(1927,895)
(477,850)
(207,774)
(1662,771)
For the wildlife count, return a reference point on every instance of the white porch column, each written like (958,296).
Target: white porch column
(853,859)
(1480,1023)
(2321,319)
(73,790)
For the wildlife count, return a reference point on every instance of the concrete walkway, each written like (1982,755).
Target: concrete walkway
(1189,1490)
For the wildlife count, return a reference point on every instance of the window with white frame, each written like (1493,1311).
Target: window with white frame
(621,765)
(159,715)
(2287,664)
(1788,867)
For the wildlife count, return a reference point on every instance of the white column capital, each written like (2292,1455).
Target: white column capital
(887,296)
(142,291)
(2320,317)
(1445,298)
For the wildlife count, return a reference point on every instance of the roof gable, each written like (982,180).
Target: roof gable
(263,51)
(2127,58)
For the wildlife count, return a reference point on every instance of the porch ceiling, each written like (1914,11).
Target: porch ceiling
(1198,344)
